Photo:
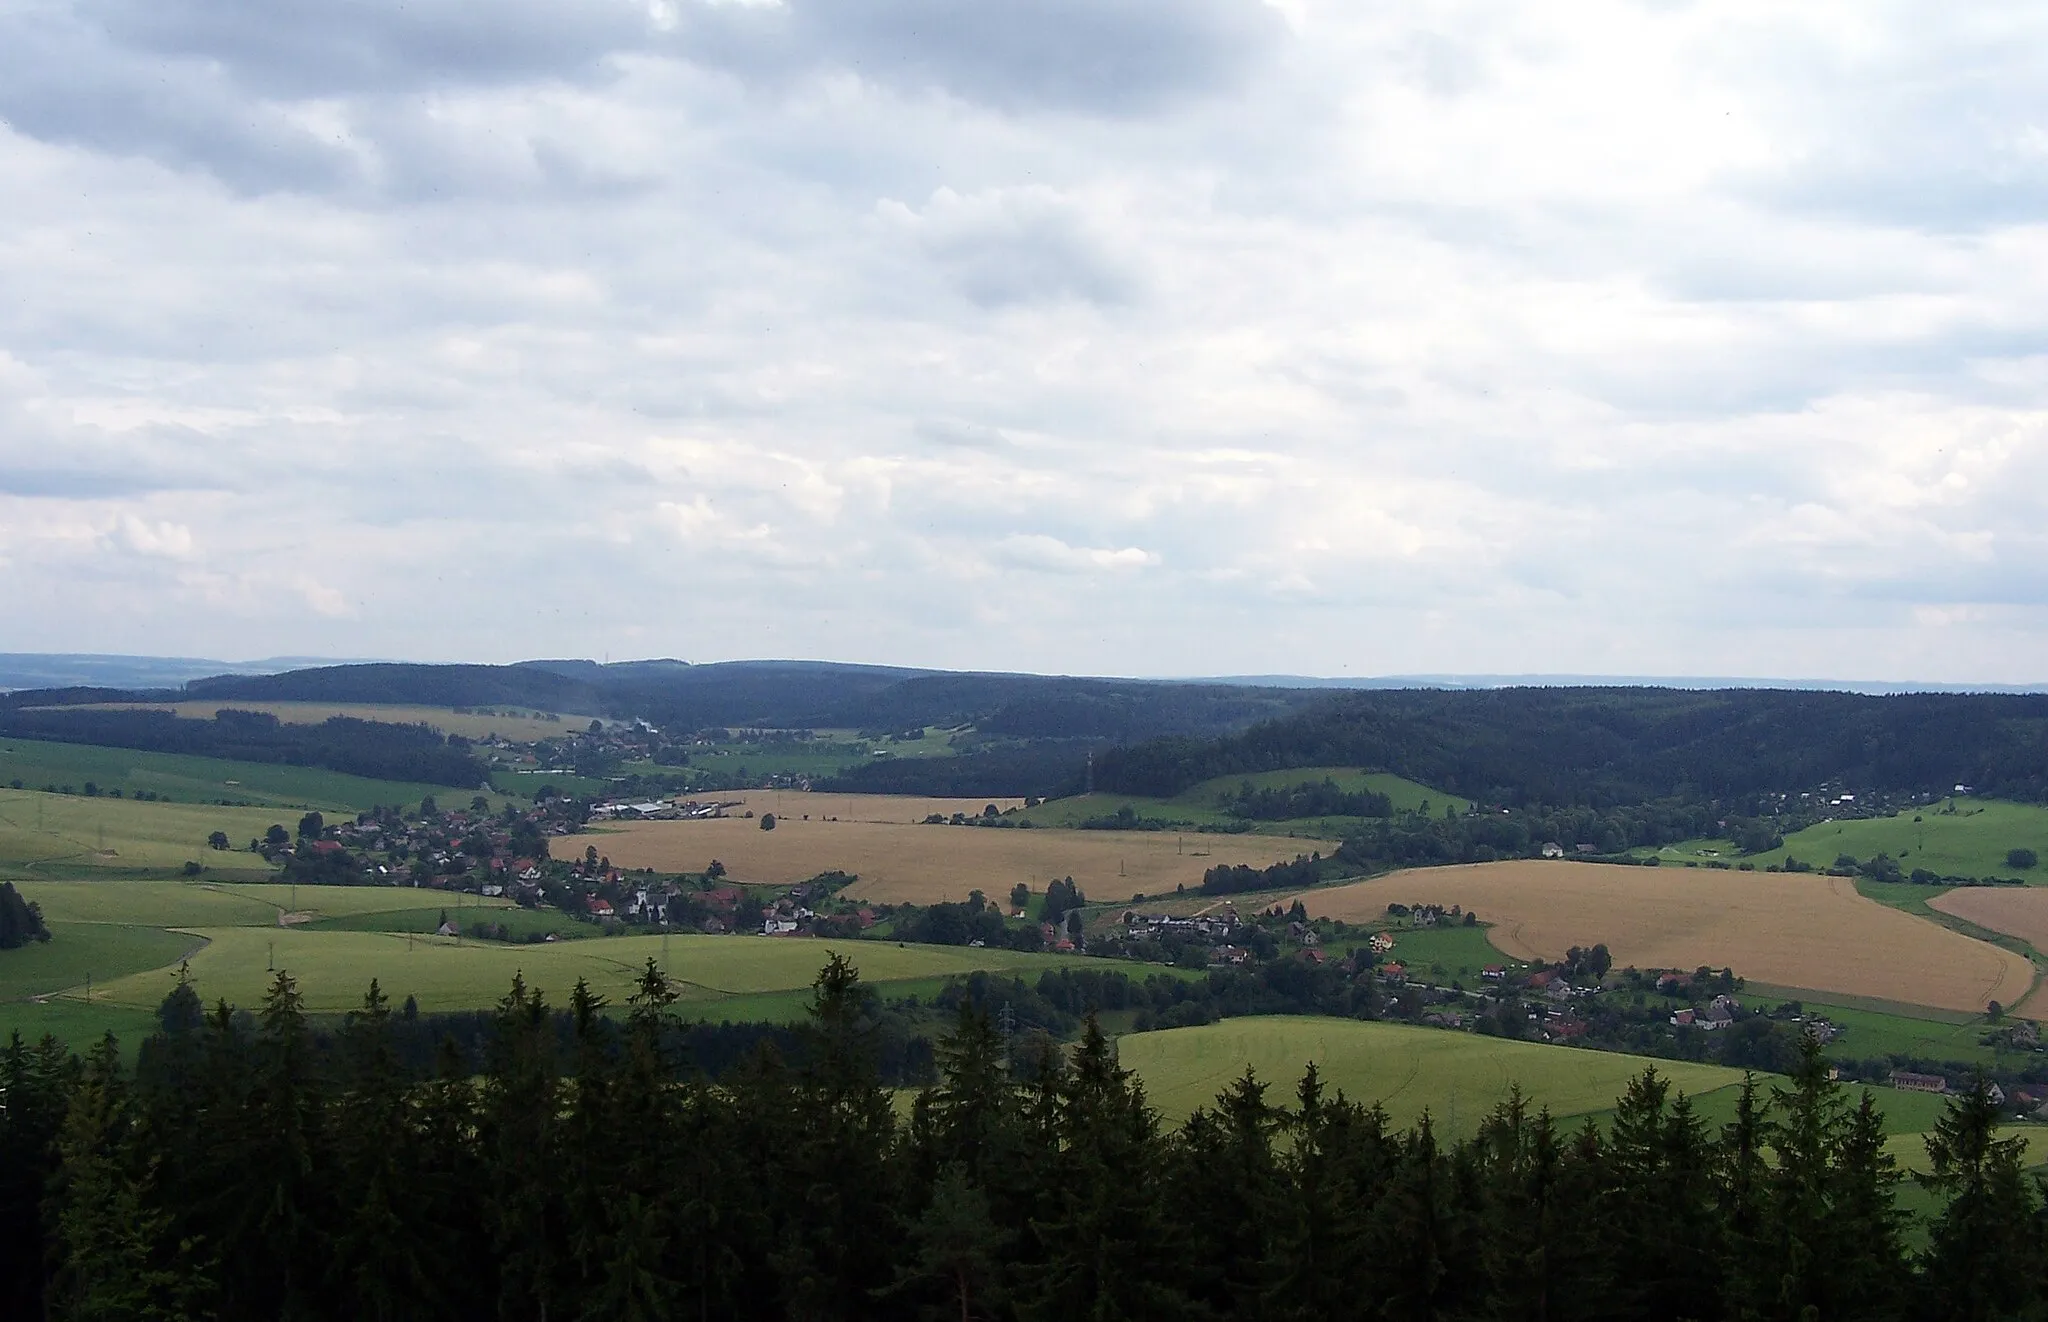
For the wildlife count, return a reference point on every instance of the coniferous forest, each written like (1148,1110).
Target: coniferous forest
(235,1172)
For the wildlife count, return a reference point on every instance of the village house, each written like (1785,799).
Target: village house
(1907,1081)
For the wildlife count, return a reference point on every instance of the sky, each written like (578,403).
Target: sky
(1073,336)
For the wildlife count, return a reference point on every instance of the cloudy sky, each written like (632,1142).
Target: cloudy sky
(1108,336)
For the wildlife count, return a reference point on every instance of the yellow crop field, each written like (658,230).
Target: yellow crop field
(899,863)
(470,725)
(900,808)
(2020,911)
(122,833)
(1792,930)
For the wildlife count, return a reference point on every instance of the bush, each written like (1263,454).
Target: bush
(2020,858)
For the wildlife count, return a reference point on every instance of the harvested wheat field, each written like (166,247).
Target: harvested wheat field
(900,808)
(900,863)
(1790,930)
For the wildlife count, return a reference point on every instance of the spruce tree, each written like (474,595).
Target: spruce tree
(1983,1260)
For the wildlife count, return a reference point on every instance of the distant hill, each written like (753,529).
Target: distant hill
(57,670)
(1605,746)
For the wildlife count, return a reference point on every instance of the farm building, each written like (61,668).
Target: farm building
(1906,1081)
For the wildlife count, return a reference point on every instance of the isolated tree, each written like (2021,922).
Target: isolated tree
(2021,858)
(1020,896)
(767,821)
(219,841)
(277,837)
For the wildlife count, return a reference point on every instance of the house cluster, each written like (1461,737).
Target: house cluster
(1720,1013)
(1218,926)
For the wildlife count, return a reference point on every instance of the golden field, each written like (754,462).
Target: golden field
(902,863)
(2020,911)
(1791,930)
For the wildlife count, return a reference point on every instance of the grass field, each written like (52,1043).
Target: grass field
(78,951)
(524,727)
(37,763)
(1202,804)
(39,831)
(334,967)
(1791,930)
(1457,953)
(900,863)
(1961,837)
(1456,1077)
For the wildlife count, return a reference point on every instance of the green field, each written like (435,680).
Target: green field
(37,764)
(59,835)
(1456,1077)
(1447,953)
(334,967)
(1200,805)
(828,753)
(1959,837)
(78,951)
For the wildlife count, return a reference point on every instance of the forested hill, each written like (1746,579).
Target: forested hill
(788,694)
(1604,746)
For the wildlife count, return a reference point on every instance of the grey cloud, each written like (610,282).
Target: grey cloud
(59,82)
(1101,56)
(302,48)
(1020,246)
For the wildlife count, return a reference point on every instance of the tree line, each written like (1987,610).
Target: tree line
(380,750)
(235,1173)
(1607,746)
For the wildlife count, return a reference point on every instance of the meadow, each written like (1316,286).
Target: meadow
(1456,1077)
(1791,930)
(39,763)
(901,863)
(902,809)
(443,973)
(1957,837)
(1202,805)
(50,833)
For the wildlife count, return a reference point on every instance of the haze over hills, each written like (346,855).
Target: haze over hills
(49,670)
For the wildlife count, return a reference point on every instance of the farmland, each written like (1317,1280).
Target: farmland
(129,938)
(899,863)
(49,833)
(333,967)
(39,763)
(1958,837)
(1202,805)
(1456,1077)
(1791,930)
(2013,911)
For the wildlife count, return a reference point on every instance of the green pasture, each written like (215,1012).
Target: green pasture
(334,967)
(1456,1077)
(78,951)
(1450,952)
(68,834)
(184,779)
(1961,837)
(519,923)
(1201,805)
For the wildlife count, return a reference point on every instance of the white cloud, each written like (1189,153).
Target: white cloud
(1080,336)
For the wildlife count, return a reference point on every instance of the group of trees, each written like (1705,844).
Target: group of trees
(1603,746)
(1311,799)
(377,749)
(1238,878)
(21,921)
(235,1173)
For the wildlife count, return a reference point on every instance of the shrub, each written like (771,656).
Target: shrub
(2020,858)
